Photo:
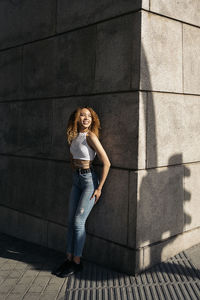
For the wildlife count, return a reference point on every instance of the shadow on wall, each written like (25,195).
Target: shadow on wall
(161,195)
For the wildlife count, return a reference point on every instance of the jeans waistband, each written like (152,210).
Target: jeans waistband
(82,171)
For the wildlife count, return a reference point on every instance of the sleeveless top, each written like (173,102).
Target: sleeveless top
(80,149)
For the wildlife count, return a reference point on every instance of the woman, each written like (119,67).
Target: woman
(83,138)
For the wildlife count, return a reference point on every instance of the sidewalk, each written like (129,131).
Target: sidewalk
(25,273)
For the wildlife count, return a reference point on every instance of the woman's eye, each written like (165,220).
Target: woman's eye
(85,116)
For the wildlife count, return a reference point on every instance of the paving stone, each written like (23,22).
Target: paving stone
(177,278)
(32,296)
(49,296)
(39,284)
(54,285)
(14,297)
(20,288)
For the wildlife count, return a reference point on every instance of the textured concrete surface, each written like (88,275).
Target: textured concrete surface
(184,10)
(114,72)
(160,197)
(113,209)
(10,74)
(160,70)
(173,129)
(127,259)
(46,198)
(75,58)
(191,197)
(75,14)
(157,252)
(31,139)
(142,131)
(56,58)
(82,61)
(25,21)
(25,273)
(191,59)
(44,135)
(121,126)
(39,69)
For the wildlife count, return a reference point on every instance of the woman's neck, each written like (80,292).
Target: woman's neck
(83,131)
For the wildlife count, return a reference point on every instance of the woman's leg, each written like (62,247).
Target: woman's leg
(85,205)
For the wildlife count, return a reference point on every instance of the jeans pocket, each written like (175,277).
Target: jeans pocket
(86,175)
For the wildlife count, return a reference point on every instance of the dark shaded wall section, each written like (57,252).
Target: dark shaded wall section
(55,56)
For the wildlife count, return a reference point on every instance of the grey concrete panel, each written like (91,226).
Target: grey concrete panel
(119,120)
(9,123)
(38,129)
(8,186)
(161,54)
(146,4)
(39,69)
(109,254)
(23,226)
(117,54)
(118,114)
(160,208)
(109,217)
(191,58)
(10,74)
(76,62)
(186,10)
(191,196)
(73,14)
(173,136)
(162,251)
(58,191)
(37,187)
(26,128)
(132,209)
(25,21)
(142,130)
(57,236)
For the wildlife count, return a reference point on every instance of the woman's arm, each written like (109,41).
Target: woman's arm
(94,142)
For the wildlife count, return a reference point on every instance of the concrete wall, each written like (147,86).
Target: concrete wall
(169,132)
(55,56)
(133,62)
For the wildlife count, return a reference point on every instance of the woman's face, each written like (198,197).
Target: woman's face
(85,119)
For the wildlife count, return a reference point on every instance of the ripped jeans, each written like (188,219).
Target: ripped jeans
(80,206)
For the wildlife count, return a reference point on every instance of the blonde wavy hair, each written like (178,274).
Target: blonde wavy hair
(73,126)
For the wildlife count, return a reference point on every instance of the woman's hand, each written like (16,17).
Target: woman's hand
(96,194)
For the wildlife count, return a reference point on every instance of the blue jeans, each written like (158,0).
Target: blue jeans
(80,206)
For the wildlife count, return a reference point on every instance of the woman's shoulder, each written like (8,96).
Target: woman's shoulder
(91,135)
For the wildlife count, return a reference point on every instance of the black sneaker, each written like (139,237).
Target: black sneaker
(67,263)
(74,268)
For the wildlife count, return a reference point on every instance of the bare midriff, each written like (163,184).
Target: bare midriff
(83,164)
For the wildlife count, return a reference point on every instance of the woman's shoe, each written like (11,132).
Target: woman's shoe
(66,264)
(72,269)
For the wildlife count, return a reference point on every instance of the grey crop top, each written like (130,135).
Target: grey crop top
(80,149)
